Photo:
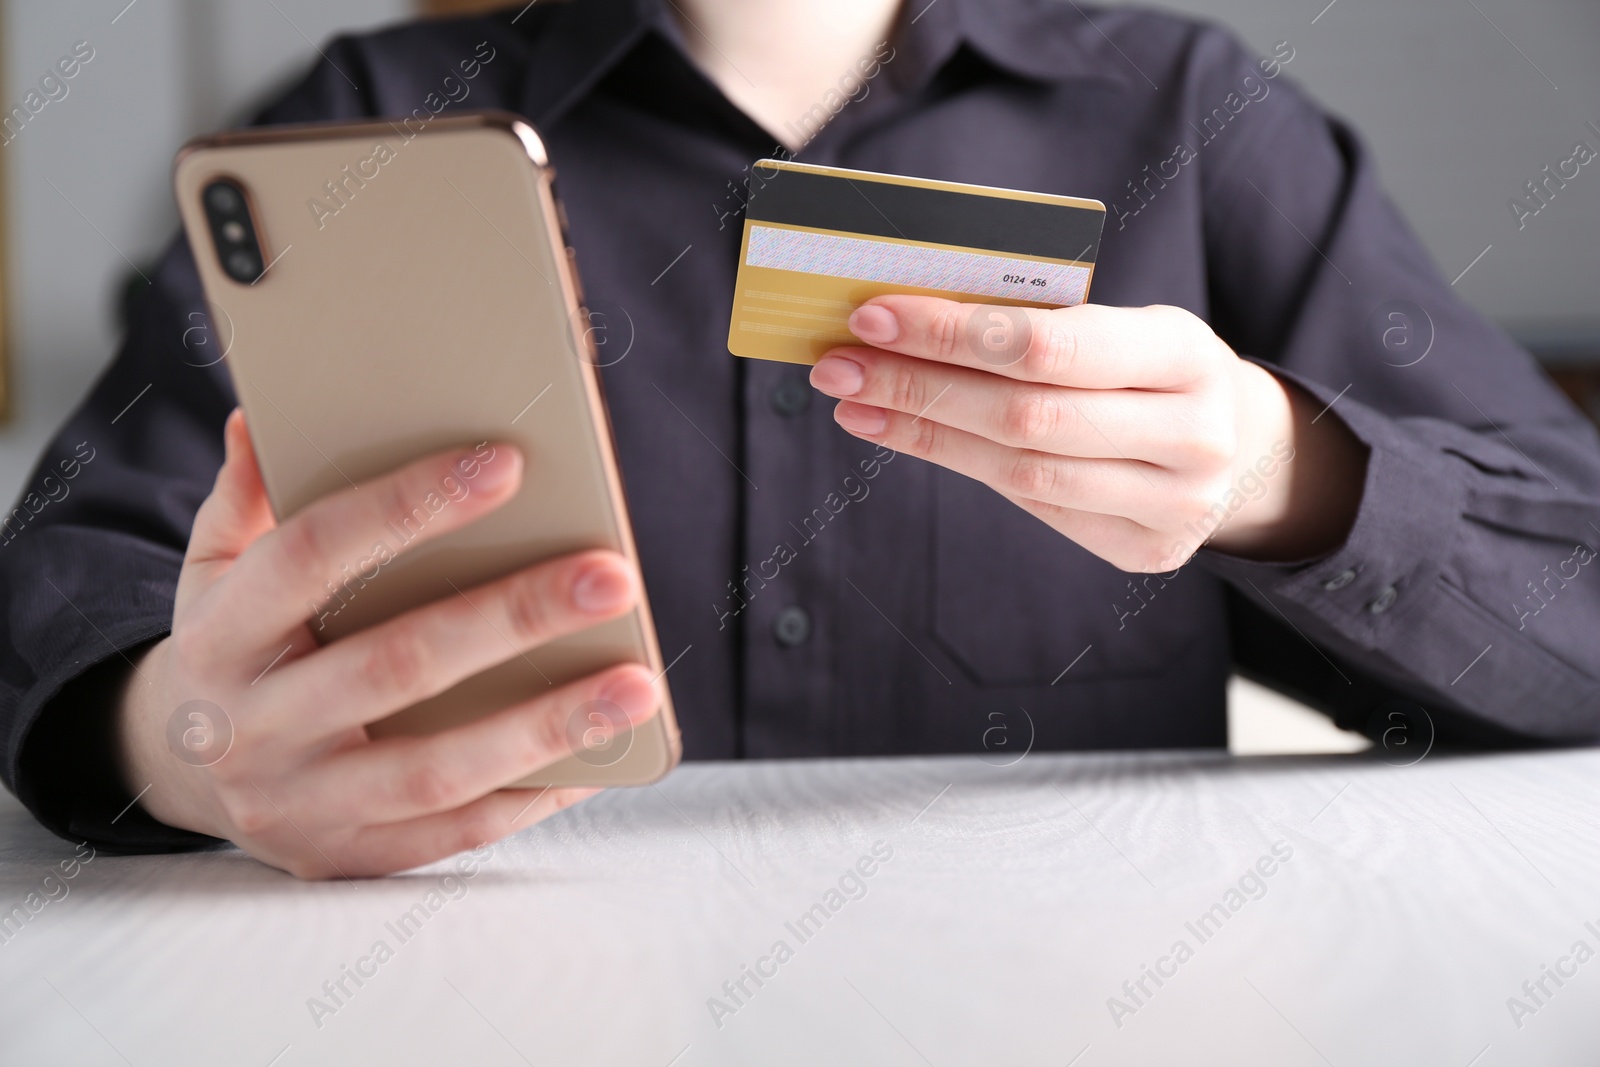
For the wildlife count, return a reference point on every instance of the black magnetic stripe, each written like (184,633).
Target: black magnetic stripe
(937,216)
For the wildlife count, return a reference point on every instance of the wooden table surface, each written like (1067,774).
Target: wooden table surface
(1084,910)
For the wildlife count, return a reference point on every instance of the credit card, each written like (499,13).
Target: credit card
(821,241)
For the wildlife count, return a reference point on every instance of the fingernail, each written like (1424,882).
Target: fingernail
(500,469)
(633,694)
(874,324)
(860,418)
(601,589)
(838,376)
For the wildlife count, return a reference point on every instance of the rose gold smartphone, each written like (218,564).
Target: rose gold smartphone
(382,291)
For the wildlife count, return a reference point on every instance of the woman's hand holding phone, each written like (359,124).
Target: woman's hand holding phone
(301,786)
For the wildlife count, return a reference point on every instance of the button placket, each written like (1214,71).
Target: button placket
(788,452)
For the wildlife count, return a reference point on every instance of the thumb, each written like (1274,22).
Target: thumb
(237,512)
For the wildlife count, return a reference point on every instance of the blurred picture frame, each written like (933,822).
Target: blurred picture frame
(6,329)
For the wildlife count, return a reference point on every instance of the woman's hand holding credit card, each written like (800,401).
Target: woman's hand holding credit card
(1135,432)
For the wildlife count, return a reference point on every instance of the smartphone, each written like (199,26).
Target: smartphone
(380,291)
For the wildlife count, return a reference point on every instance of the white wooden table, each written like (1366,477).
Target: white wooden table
(1015,902)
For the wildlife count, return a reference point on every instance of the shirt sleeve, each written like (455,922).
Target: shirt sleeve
(1468,583)
(90,554)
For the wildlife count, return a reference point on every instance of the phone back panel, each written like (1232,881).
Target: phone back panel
(420,296)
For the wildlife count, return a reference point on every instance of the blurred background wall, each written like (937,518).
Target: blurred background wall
(1463,101)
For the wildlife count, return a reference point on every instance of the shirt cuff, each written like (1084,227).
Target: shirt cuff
(1410,502)
(82,635)
(68,775)
(1384,597)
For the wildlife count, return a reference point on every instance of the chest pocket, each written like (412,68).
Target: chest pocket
(1017,603)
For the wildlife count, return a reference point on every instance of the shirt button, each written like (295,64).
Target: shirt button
(1385,600)
(790,396)
(1340,580)
(792,627)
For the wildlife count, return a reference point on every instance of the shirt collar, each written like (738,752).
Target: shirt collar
(578,42)
(1041,40)
(1037,40)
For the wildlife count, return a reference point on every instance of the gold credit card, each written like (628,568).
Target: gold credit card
(821,241)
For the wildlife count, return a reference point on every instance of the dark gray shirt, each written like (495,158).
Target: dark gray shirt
(829,599)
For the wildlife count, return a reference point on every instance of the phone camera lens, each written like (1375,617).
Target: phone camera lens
(243,266)
(223,199)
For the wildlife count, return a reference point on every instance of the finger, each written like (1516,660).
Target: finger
(1153,426)
(401,846)
(378,671)
(283,579)
(1129,488)
(1123,543)
(237,512)
(1090,346)
(407,777)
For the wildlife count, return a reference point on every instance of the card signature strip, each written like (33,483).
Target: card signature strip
(972,273)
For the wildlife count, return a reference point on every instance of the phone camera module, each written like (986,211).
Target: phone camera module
(232,230)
